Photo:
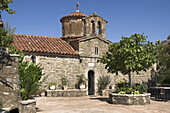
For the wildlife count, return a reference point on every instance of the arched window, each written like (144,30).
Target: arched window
(92,27)
(99,31)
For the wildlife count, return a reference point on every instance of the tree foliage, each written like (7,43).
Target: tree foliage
(168,37)
(6,34)
(131,54)
(4,5)
(164,65)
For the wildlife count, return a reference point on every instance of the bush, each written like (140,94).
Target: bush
(52,83)
(103,82)
(81,79)
(123,88)
(30,76)
(164,77)
(6,35)
(64,81)
(0,104)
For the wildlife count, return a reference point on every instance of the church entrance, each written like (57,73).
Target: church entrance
(91,82)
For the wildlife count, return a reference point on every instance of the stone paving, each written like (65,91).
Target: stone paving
(95,105)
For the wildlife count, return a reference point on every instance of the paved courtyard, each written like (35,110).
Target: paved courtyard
(95,105)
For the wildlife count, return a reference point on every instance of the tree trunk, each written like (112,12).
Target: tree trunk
(130,81)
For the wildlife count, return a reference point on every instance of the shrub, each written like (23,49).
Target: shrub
(81,79)
(103,82)
(123,88)
(30,76)
(64,80)
(6,35)
(52,83)
(0,104)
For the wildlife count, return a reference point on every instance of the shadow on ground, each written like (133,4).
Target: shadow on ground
(160,99)
(38,110)
(102,99)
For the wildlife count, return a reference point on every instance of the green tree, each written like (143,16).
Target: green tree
(131,54)
(4,6)
(168,37)
(6,34)
(164,65)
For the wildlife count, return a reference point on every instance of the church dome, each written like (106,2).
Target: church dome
(74,14)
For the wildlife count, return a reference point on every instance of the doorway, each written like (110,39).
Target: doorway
(91,82)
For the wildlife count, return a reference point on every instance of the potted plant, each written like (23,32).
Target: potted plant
(52,85)
(81,81)
(42,93)
(64,82)
(103,83)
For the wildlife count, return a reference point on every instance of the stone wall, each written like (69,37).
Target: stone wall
(87,47)
(9,81)
(57,66)
(129,99)
(66,93)
(28,106)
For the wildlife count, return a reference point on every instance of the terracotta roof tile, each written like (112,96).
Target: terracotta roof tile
(42,44)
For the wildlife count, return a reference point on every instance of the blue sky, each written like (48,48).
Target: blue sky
(125,17)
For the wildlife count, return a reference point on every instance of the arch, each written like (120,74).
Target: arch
(93,27)
(99,28)
(91,82)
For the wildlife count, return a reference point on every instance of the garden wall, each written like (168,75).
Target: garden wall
(9,81)
(66,93)
(130,99)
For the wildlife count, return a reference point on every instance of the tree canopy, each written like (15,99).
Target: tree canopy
(131,54)
(4,6)
(164,65)
(6,35)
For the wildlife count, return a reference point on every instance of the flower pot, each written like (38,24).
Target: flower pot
(43,94)
(82,86)
(64,87)
(52,87)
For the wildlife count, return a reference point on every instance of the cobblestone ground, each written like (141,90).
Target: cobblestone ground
(95,105)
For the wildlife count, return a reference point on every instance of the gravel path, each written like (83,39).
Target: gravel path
(95,105)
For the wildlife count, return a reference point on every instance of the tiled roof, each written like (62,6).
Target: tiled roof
(42,44)
(75,14)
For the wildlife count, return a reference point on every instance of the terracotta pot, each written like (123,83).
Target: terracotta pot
(43,94)
(82,86)
(52,87)
(64,87)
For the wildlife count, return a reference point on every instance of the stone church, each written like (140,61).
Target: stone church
(77,52)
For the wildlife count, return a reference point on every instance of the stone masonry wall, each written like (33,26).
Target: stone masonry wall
(56,67)
(87,47)
(9,81)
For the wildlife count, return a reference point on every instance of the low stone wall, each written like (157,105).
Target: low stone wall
(66,93)
(9,81)
(28,106)
(130,99)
